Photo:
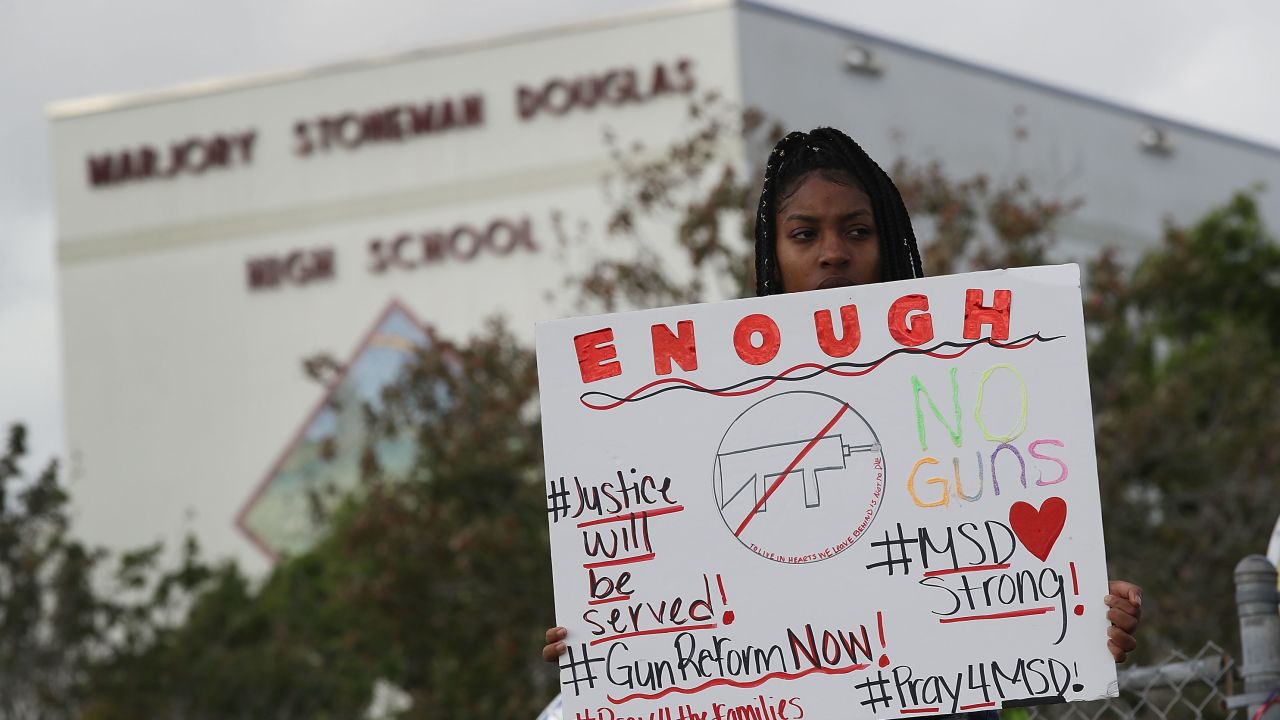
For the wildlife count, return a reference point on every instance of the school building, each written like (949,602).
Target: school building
(212,237)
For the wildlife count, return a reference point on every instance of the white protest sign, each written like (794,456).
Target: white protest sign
(864,502)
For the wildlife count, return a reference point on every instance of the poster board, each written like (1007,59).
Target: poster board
(864,502)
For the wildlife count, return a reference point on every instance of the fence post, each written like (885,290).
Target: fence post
(1258,605)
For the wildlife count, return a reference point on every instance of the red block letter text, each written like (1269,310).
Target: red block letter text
(596,355)
(914,330)
(771,339)
(976,314)
(679,346)
(852,332)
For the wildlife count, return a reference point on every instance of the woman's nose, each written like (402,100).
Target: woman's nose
(832,251)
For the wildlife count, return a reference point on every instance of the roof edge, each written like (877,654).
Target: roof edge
(98,104)
(1153,118)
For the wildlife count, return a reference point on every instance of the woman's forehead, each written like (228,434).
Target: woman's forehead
(814,179)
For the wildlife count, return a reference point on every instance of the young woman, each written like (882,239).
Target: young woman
(830,217)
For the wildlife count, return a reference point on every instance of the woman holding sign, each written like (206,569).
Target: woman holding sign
(829,216)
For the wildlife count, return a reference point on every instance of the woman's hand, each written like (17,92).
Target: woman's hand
(555,644)
(1124,611)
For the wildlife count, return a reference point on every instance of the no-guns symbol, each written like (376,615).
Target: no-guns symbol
(799,477)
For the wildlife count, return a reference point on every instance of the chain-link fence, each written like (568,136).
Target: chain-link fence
(1183,687)
(1207,685)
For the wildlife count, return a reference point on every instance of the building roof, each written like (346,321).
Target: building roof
(79,107)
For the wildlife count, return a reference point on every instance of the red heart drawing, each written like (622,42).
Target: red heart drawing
(1038,530)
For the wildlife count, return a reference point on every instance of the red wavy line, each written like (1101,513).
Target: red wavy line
(803,366)
(738,683)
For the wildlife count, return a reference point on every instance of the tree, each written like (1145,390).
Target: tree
(438,584)
(48,614)
(1185,369)
(63,606)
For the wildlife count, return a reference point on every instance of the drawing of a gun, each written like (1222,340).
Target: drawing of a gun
(758,468)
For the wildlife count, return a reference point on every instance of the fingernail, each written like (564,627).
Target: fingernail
(1109,599)
(560,648)
(1137,599)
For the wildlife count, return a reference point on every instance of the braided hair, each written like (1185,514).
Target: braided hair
(832,153)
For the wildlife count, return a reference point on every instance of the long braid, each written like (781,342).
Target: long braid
(799,154)
(767,282)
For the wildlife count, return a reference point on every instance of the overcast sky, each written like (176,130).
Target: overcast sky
(1212,66)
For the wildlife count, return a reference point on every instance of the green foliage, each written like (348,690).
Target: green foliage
(281,652)
(968,224)
(439,585)
(63,610)
(1185,368)
(48,613)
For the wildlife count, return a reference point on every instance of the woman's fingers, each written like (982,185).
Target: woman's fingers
(1124,612)
(555,647)
(1120,643)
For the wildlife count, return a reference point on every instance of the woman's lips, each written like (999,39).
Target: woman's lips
(834,282)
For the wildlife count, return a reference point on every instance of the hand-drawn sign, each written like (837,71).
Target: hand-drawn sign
(866,502)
